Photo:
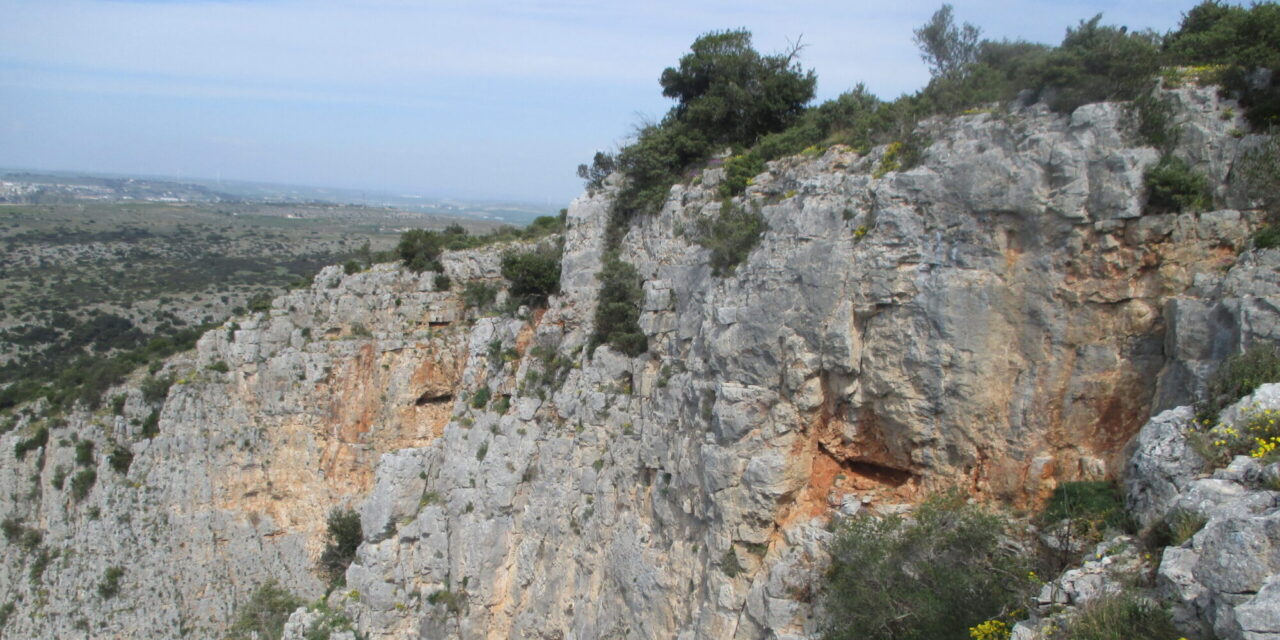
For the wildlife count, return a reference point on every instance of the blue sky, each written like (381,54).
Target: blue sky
(470,99)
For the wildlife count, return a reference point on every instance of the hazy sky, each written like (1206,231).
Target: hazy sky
(471,99)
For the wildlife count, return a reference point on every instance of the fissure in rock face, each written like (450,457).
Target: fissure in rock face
(1002,317)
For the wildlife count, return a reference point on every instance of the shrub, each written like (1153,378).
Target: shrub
(329,623)
(40,563)
(729,563)
(117,404)
(220,366)
(6,612)
(1182,525)
(1172,186)
(1268,237)
(260,301)
(1240,40)
(1155,126)
(442,282)
(738,170)
(12,529)
(453,602)
(1256,434)
(618,310)
(1096,63)
(39,439)
(1096,502)
(1124,616)
(502,404)
(151,425)
(109,586)
(602,165)
(59,477)
(82,483)
(120,459)
(156,388)
(534,275)
(935,575)
(351,267)
(481,398)
(84,453)
(479,295)
(420,250)
(344,537)
(730,236)
(263,616)
(1237,377)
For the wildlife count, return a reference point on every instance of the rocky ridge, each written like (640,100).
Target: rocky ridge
(1002,317)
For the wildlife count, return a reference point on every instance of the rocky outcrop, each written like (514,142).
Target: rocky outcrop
(1225,579)
(270,423)
(1002,317)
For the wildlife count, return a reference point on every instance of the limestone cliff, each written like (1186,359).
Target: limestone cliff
(1002,317)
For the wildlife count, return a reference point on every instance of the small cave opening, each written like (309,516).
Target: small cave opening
(433,397)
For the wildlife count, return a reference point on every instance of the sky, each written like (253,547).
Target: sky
(471,99)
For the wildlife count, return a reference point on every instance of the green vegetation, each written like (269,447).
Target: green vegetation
(151,425)
(729,563)
(344,537)
(120,459)
(617,320)
(40,563)
(96,289)
(82,483)
(1172,186)
(1096,503)
(935,575)
(1236,42)
(1123,616)
(39,439)
(1255,433)
(6,612)
(534,275)
(479,295)
(420,249)
(263,616)
(1178,527)
(602,164)
(730,236)
(480,398)
(453,602)
(84,453)
(329,623)
(21,535)
(1076,515)
(1237,377)
(109,586)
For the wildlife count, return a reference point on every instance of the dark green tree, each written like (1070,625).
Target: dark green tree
(345,536)
(534,275)
(731,94)
(420,249)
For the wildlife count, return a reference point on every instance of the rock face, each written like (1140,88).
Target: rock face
(1225,579)
(1002,317)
